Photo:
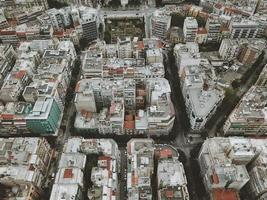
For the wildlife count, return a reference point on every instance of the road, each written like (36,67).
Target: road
(123,173)
(181,126)
(242,90)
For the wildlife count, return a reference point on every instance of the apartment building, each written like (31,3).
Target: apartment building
(201,96)
(13,121)
(76,153)
(160,22)
(140,159)
(171,178)
(248,117)
(213,28)
(89,23)
(110,99)
(8,54)
(243,28)
(186,55)
(24,163)
(229,49)
(228,165)
(219,173)
(160,113)
(11,5)
(55,18)
(13,85)
(190,29)
(125,49)
(3,20)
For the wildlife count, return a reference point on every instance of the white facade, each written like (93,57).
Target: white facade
(229,49)
(160,22)
(190,29)
(186,55)
(242,28)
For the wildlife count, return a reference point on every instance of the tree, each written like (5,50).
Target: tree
(158,3)
(201,22)
(107,37)
(177,20)
(83,43)
(114,3)
(236,84)
(56,4)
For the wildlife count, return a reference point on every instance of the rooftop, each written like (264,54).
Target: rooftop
(252,106)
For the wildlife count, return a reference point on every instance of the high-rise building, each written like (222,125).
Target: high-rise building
(89,23)
(201,97)
(249,116)
(55,18)
(45,117)
(190,29)
(186,55)
(243,28)
(160,22)
(213,28)
(229,49)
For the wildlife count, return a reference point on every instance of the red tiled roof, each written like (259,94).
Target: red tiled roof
(129,124)
(214,177)
(169,194)
(20,74)
(218,5)
(202,31)
(223,28)
(128,118)
(6,116)
(164,153)
(222,194)
(68,173)
(141,45)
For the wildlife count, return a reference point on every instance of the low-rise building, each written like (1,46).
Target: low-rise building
(45,117)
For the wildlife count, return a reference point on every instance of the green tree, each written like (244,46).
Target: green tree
(56,4)
(177,20)
(201,22)
(236,84)
(107,37)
